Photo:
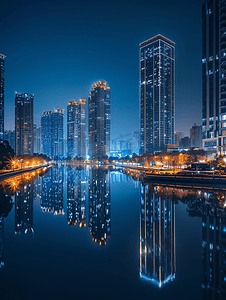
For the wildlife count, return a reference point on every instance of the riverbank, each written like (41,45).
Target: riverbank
(17,172)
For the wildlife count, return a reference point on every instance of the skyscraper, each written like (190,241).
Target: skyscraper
(76,131)
(46,132)
(52,132)
(99,120)
(157,94)
(57,133)
(214,75)
(24,124)
(2,92)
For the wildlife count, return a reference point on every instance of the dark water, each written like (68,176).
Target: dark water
(97,234)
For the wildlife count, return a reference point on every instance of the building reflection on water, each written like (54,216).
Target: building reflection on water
(99,205)
(76,196)
(52,191)
(157,218)
(24,209)
(157,236)
(1,242)
(213,249)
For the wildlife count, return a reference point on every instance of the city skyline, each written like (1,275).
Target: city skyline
(48,83)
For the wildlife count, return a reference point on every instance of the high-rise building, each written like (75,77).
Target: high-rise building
(57,133)
(2,93)
(46,128)
(196,136)
(99,120)
(157,94)
(52,132)
(9,135)
(24,142)
(76,131)
(214,75)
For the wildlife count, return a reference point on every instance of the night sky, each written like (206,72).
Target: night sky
(56,50)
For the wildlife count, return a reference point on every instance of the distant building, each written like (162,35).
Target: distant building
(176,137)
(24,142)
(2,93)
(136,142)
(157,94)
(9,135)
(99,120)
(76,131)
(52,133)
(196,136)
(185,143)
(126,144)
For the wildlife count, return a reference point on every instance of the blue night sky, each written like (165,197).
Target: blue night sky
(57,49)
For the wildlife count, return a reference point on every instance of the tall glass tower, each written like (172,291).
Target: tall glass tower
(99,120)
(24,141)
(52,132)
(157,94)
(214,75)
(2,84)
(76,131)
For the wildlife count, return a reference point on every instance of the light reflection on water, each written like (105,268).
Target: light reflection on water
(91,198)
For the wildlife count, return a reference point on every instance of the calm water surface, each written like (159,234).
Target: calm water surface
(98,234)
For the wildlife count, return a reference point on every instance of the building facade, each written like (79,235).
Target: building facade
(214,75)
(57,133)
(99,120)
(76,131)
(157,94)
(24,142)
(38,140)
(46,132)
(196,136)
(52,138)
(2,93)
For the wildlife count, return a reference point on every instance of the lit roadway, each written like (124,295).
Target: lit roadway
(16,172)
